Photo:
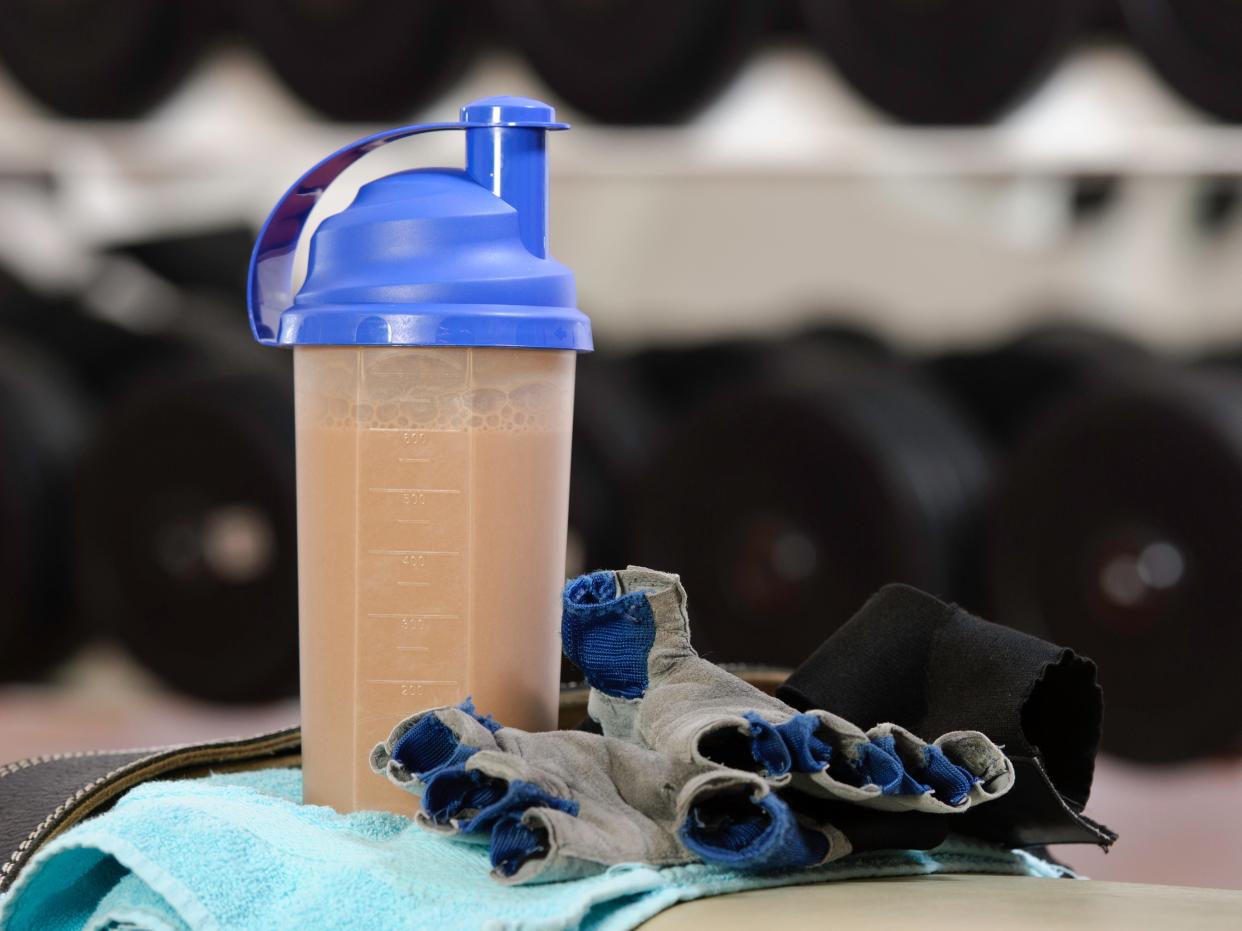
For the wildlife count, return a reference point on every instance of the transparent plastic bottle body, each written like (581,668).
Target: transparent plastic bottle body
(433,489)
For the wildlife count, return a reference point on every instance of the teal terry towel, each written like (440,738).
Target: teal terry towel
(240,851)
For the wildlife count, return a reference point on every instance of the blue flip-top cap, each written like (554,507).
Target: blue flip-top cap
(427,257)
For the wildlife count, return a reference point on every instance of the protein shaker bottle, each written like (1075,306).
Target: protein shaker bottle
(434,349)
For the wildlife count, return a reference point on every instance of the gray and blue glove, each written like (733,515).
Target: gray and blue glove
(564,804)
(629,633)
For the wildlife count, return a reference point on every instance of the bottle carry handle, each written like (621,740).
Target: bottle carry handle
(269,286)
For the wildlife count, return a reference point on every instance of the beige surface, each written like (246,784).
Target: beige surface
(961,903)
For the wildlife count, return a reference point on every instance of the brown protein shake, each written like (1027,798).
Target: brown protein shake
(432,491)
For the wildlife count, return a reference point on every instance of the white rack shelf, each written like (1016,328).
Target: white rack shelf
(785,197)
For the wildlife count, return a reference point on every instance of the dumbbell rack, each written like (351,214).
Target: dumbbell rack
(785,200)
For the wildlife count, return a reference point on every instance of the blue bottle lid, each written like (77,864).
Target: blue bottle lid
(427,257)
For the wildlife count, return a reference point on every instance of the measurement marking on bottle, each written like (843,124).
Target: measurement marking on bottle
(411,681)
(416,491)
(413,458)
(421,617)
(414,584)
(413,553)
(408,429)
(413,520)
(413,649)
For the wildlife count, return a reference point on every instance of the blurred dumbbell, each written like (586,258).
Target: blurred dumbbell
(785,18)
(182,515)
(185,490)
(42,425)
(634,61)
(102,59)
(623,405)
(944,61)
(212,261)
(612,443)
(1104,20)
(786,501)
(676,378)
(1118,532)
(375,60)
(187,529)
(1005,388)
(1193,44)
(626,405)
(186,497)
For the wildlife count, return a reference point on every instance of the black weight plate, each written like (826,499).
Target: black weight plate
(847,337)
(101,59)
(674,379)
(42,424)
(1007,387)
(1091,197)
(1196,45)
(214,260)
(786,504)
(101,356)
(635,61)
(1215,203)
(187,524)
(371,60)
(612,441)
(946,62)
(1105,20)
(1119,533)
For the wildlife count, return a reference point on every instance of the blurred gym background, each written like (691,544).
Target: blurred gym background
(944,292)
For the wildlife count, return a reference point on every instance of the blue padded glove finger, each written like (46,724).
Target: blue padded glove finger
(425,743)
(734,819)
